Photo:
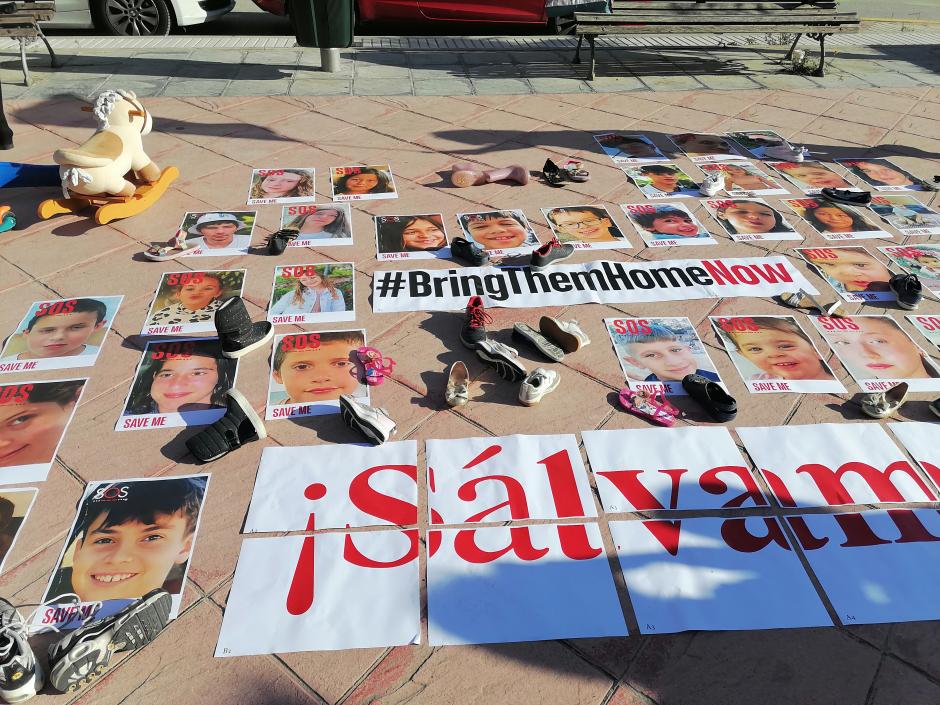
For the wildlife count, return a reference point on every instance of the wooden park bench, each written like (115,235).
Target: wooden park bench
(817,20)
(20,20)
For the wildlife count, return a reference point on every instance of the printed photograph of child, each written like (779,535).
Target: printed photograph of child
(745,179)
(928,326)
(629,149)
(658,181)
(922,260)
(313,293)
(855,273)
(656,353)
(33,419)
(320,224)
(811,177)
(179,383)
(218,234)
(875,348)
(129,537)
(750,219)
(756,141)
(882,175)
(14,509)
(63,333)
(706,148)
(667,225)
(280,185)
(186,302)
(362,183)
(410,236)
(765,348)
(585,227)
(499,232)
(906,213)
(835,221)
(309,372)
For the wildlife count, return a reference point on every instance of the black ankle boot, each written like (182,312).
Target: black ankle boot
(237,334)
(240,425)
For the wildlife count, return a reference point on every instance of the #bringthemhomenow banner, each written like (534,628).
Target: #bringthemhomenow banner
(646,469)
(591,282)
(323,592)
(335,486)
(833,464)
(715,574)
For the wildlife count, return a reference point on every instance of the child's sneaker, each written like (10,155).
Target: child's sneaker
(237,334)
(469,252)
(551,252)
(908,289)
(371,421)
(539,383)
(21,675)
(474,326)
(504,358)
(85,654)
(787,153)
(566,333)
(240,425)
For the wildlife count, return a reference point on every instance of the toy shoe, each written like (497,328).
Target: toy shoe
(7,219)
(575,172)
(375,365)
(652,407)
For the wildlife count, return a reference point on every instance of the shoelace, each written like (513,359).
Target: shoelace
(479,317)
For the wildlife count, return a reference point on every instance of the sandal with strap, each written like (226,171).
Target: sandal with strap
(652,407)
(552,174)
(376,368)
(574,171)
(176,248)
(803,300)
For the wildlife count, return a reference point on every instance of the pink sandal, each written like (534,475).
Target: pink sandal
(375,366)
(652,407)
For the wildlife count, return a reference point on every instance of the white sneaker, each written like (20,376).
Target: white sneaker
(566,333)
(787,153)
(21,675)
(713,183)
(503,357)
(372,422)
(539,383)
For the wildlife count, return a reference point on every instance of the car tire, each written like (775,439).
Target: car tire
(131,18)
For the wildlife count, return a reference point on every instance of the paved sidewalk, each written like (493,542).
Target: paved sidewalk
(219,66)
(214,142)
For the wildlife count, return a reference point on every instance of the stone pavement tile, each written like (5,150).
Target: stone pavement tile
(35,147)
(383,86)
(442,86)
(366,111)
(80,88)
(910,642)
(395,666)
(142,87)
(83,244)
(252,144)
(814,104)
(899,683)
(541,84)
(784,80)
(776,118)
(819,666)
(931,79)
(875,634)
(501,86)
(19,299)
(262,111)
(843,80)
(180,661)
(440,73)
(366,69)
(846,131)
(726,103)
(923,126)
(612,655)
(196,86)
(689,119)
(626,695)
(301,87)
(521,673)
(830,408)
(308,127)
(240,87)
(11,276)
(160,224)
(626,106)
(670,83)
(890,79)
(444,424)
(722,82)
(331,674)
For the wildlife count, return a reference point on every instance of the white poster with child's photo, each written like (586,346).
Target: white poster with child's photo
(33,419)
(362,183)
(14,510)
(410,237)
(660,181)
(318,224)
(922,260)
(757,141)
(878,353)
(129,537)
(748,219)
(585,227)
(743,179)
(313,293)
(505,232)
(178,383)
(928,326)
(186,302)
(855,273)
(656,353)
(218,234)
(310,371)
(281,185)
(811,177)
(629,149)
(667,224)
(704,148)
(774,354)
(906,213)
(835,221)
(882,174)
(60,334)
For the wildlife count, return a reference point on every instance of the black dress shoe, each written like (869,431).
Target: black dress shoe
(717,402)
(469,252)
(849,198)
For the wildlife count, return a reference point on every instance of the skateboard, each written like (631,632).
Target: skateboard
(112,207)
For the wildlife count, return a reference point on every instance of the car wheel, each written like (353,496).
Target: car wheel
(131,18)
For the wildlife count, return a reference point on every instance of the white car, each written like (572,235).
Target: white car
(135,17)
